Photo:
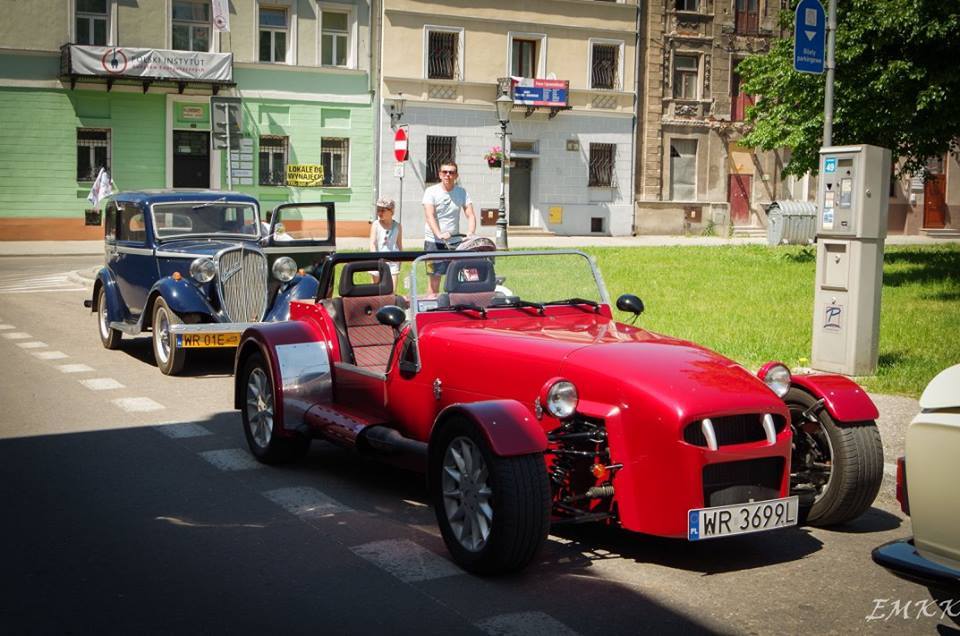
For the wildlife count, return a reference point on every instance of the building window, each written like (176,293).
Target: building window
(334,38)
(443,59)
(601,165)
(683,170)
(688,5)
(93,152)
(335,157)
(273,160)
(605,66)
(92,22)
(439,151)
(686,75)
(747,17)
(273,34)
(524,58)
(191,25)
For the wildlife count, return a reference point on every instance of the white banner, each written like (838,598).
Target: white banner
(121,61)
(221,15)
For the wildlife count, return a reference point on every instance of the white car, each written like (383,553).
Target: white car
(927,489)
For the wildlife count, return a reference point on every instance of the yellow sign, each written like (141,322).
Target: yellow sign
(305,175)
(556,214)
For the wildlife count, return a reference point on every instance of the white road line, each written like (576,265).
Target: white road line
(306,502)
(101,384)
(17,335)
(6,327)
(37,284)
(74,368)
(406,560)
(51,355)
(41,291)
(524,623)
(36,344)
(138,404)
(182,430)
(231,459)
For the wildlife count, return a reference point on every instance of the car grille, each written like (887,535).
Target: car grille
(734,429)
(242,284)
(730,483)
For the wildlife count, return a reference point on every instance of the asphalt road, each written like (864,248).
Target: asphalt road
(130,505)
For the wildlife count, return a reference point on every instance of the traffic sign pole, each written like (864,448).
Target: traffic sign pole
(400,153)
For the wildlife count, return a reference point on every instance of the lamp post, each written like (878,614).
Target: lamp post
(504,106)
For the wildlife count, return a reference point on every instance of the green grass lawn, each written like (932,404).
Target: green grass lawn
(754,303)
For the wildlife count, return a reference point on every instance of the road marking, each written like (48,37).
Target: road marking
(74,368)
(182,430)
(101,384)
(406,560)
(138,404)
(526,623)
(36,344)
(36,284)
(231,459)
(6,327)
(17,335)
(51,355)
(306,502)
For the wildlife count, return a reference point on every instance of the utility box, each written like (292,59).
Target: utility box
(852,208)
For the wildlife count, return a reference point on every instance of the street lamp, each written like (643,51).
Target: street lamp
(504,106)
(396,110)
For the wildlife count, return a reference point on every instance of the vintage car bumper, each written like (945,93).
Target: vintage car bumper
(208,335)
(902,558)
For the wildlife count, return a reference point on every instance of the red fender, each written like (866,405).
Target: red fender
(508,425)
(842,397)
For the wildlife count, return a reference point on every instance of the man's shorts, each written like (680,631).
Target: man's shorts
(437,267)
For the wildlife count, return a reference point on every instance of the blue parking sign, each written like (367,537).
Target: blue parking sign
(809,35)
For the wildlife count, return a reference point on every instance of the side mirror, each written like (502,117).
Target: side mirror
(391,316)
(630,303)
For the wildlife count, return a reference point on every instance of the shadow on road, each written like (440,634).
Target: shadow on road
(203,362)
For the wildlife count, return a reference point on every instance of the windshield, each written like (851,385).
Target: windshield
(492,280)
(204,218)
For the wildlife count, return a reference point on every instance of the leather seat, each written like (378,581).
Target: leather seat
(369,343)
(470,280)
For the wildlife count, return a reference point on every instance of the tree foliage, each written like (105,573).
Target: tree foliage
(896,84)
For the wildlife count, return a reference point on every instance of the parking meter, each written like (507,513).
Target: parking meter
(852,208)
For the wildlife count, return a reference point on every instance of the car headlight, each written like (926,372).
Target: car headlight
(203,269)
(284,269)
(562,399)
(777,377)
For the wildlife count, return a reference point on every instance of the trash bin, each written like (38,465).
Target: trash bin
(791,223)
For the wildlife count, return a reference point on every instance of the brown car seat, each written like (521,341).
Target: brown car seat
(370,342)
(470,280)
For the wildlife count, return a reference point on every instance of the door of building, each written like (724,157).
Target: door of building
(191,159)
(520,191)
(739,199)
(935,201)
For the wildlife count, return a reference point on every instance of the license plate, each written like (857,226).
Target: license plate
(199,340)
(757,516)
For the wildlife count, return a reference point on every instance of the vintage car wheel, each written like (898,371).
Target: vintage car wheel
(493,512)
(110,338)
(258,416)
(841,466)
(169,358)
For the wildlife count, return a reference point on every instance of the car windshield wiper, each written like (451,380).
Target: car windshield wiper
(207,204)
(516,302)
(463,307)
(575,301)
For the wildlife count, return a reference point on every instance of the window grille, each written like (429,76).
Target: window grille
(333,39)
(439,151)
(273,160)
(606,62)
(335,157)
(601,165)
(442,55)
(686,72)
(93,152)
(91,22)
(273,35)
(191,25)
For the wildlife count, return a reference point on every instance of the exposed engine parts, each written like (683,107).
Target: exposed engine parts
(580,471)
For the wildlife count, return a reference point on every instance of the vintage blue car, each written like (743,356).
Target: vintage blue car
(198,267)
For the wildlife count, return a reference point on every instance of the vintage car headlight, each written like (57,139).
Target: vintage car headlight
(284,269)
(562,399)
(203,270)
(777,377)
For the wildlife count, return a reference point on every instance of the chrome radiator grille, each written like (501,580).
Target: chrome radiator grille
(242,284)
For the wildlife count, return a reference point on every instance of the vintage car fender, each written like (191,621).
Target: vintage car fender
(180,295)
(302,287)
(106,280)
(843,398)
(508,426)
(299,362)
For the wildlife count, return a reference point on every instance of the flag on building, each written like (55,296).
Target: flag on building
(221,15)
(101,188)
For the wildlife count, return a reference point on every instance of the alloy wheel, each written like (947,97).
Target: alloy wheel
(260,407)
(467,493)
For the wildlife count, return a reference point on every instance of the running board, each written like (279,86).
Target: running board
(129,328)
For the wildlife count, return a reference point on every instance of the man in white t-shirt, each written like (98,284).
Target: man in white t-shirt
(442,204)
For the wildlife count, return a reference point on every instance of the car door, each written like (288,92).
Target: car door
(305,232)
(134,263)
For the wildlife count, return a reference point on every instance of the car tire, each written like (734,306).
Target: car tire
(496,518)
(109,337)
(169,358)
(257,412)
(854,453)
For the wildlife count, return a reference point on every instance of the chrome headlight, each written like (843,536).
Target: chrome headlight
(203,269)
(777,377)
(284,269)
(562,399)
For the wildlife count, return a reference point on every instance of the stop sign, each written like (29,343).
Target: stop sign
(400,145)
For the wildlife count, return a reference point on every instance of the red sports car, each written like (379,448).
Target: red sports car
(526,404)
